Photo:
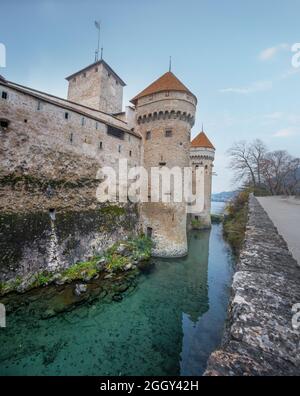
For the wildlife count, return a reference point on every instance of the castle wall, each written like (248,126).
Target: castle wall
(156,114)
(44,143)
(49,163)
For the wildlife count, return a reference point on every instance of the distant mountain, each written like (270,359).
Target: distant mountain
(223,196)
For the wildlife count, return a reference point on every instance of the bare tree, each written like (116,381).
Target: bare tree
(277,171)
(280,172)
(242,162)
(257,151)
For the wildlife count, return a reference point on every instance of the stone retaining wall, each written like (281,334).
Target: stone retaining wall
(259,337)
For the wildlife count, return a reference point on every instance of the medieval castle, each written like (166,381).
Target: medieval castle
(54,137)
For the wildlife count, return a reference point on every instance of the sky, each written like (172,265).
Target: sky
(234,55)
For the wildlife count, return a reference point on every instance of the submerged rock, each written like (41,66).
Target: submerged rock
(117,297)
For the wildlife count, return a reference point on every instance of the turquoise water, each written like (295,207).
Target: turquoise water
(168,325)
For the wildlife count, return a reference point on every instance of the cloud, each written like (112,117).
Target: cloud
(270,53)
(286,132)
(257,86)
(289,73)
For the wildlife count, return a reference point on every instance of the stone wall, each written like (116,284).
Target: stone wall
(259,338)
(41,141)
(49,163)
(34,242)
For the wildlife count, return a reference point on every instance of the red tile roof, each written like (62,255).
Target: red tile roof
(167,82)
(202,140)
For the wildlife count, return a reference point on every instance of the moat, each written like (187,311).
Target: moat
(168,325)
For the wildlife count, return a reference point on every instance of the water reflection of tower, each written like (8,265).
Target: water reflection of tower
(176,290)
(196,303)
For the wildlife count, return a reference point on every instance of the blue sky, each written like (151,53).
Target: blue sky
(234,55)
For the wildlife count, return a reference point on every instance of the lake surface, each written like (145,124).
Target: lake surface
(168,325)
(217,207)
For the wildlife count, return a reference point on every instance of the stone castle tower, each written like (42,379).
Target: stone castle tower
(97,86)
(165,113)
(202,154)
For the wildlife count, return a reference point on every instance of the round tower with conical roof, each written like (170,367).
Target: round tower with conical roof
(165,114)
(202,154)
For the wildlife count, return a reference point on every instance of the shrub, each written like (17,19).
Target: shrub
(235,221)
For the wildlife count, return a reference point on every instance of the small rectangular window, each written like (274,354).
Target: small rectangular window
(39,105)
(71,137)
(82,121)
(66,115)
(148,135)
(100,145)
(4,95)
(119,149)
(168,133)
(116,132)
(97,125)
(130,153)
(4,124)
(84,75)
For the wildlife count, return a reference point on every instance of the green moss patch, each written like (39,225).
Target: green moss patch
(115,259)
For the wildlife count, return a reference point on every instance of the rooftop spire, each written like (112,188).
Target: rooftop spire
(170,63)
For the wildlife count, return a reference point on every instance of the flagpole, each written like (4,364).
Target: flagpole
(97,25)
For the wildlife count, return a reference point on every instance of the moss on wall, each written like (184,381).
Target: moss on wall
(26,236)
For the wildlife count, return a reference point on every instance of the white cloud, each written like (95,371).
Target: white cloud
(257,86)
(286,132)
(269,53)
(289,73)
